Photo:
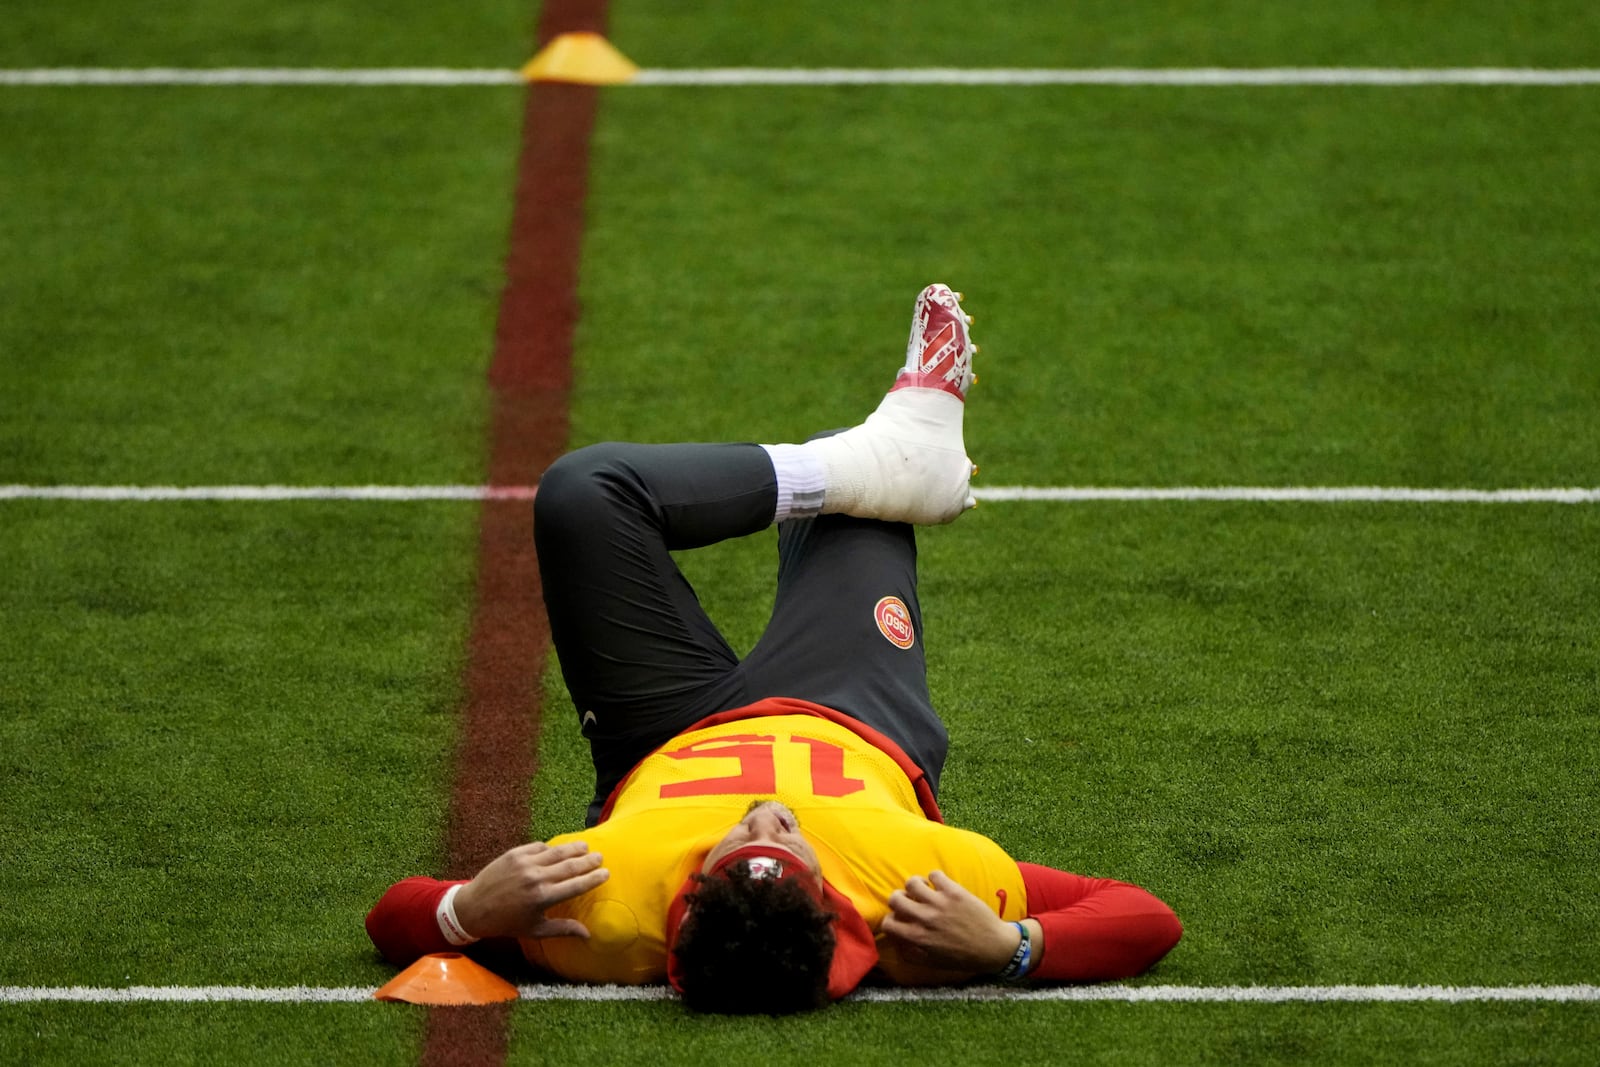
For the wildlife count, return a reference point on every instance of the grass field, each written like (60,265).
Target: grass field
(1349,743)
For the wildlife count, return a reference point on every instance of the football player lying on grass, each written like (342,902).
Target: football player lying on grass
(768,828)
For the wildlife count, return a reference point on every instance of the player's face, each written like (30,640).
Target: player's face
(766,823)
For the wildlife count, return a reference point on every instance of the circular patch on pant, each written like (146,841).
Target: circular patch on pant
(894,622)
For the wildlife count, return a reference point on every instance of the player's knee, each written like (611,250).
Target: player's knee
(573,488)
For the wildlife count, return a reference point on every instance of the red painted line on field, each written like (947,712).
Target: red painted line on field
(529,379)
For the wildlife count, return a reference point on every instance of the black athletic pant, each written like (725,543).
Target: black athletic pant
(640,657)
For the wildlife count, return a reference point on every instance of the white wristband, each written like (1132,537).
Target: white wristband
(449,925)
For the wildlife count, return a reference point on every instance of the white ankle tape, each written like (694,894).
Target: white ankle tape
(905,463)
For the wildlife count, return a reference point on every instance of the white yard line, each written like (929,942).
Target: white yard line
(1294,494)
(1198,76)
(194,994)
(160,493)
(741,76)
(257,76)
(1167,994)
(1024,493)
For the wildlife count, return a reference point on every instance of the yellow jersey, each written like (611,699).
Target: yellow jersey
(857,805)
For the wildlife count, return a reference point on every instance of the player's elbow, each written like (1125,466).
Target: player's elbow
(1166,930)
(1147,941)
(1141,947)
(386,938)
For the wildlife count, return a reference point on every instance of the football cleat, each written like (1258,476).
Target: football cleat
(907,462)
(939,353)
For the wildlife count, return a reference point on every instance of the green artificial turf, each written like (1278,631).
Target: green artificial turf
(889,1035)
(1107,33)
(1347,743)
(1197,286)
(299,33)
(204,1034)
(1036,33)
(224,730)
(202,287)
(855,1033)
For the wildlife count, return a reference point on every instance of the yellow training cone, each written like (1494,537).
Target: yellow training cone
(586,58)
(447,978)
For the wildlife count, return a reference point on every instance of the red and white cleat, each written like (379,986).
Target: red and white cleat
(939,353)
(907,462)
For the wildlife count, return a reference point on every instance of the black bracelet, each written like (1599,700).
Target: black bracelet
(1017,967)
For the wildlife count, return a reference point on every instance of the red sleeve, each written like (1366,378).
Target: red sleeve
(1095,928)
(402,924)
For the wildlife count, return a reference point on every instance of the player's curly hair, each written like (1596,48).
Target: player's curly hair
(753,945)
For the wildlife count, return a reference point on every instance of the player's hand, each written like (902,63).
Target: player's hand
(509,896)
(937,922)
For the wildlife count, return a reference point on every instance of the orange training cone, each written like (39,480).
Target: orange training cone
(586,58)
(447,978)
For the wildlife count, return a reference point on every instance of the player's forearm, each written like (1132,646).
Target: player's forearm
(1080,946)
(1096,929)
